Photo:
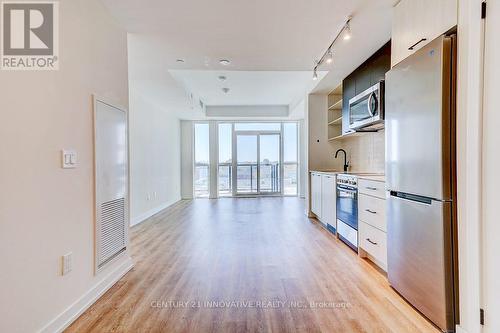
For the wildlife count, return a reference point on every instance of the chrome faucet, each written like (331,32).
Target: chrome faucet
(346,164)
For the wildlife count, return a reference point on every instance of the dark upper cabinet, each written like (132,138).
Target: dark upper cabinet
(366,75)
(348,92)
(380,65)
(363,78)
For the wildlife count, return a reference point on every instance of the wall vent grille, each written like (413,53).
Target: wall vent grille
(112,236)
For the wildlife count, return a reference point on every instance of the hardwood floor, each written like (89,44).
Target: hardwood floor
(242,250)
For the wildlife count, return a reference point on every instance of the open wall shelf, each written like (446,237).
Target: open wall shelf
(335,114)
(335,106)
(337,121)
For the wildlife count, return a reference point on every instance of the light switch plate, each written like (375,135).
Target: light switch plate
(69,159)
(67,263)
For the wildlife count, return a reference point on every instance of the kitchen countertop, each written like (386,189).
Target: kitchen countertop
(360,175)
(326,171)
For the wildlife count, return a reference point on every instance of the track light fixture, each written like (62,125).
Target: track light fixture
(328,55)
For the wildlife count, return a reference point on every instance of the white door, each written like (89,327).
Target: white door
(491,175)
(328,204)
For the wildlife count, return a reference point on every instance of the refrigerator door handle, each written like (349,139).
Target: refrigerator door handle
(411,197)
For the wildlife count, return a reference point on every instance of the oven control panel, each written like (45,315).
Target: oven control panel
(348,180)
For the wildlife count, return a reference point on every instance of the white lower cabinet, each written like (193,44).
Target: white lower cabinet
(328,200)
(373,242)
(323,198)
(316,194)
(372,223)
(372,211)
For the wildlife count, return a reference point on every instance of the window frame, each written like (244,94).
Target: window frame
(234,132)
(196,164)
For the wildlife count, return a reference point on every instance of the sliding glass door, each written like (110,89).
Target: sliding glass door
(257,158)
(246,163)
(258,163)
(269,163)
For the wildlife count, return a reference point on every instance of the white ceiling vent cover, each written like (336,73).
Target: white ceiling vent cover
(111,183)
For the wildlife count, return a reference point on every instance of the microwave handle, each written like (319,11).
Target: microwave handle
(369,104)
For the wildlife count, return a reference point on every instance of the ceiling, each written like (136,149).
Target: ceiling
(245,87)
(272,45)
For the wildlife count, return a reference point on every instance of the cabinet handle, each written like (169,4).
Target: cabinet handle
(413,46)
(370,211)
(371,188)
(374,243)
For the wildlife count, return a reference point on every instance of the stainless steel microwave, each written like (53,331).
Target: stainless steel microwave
(366,110)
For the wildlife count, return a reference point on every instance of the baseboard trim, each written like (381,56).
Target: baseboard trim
(143,217)
(459,329)
(62,321)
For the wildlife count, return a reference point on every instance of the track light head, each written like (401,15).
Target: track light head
(329,57)
(347,33)
(315,75)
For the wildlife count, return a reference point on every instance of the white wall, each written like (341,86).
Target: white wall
(155,156)
(320,154)
(46,211)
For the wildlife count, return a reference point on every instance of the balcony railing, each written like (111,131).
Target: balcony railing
(270,179)
(201,180)
(225,179)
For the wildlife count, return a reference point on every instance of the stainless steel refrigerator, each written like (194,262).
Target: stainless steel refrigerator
(420,171)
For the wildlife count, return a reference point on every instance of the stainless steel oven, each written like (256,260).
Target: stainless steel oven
(366,110)
(347,210)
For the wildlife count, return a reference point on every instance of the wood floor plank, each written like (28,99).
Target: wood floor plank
(206,265)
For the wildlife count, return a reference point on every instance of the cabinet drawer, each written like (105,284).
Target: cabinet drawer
(372,187)
(374,242)
(371,210)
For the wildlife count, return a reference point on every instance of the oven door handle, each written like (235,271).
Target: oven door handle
(347,191)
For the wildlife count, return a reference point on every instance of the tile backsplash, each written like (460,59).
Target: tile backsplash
(366,152)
